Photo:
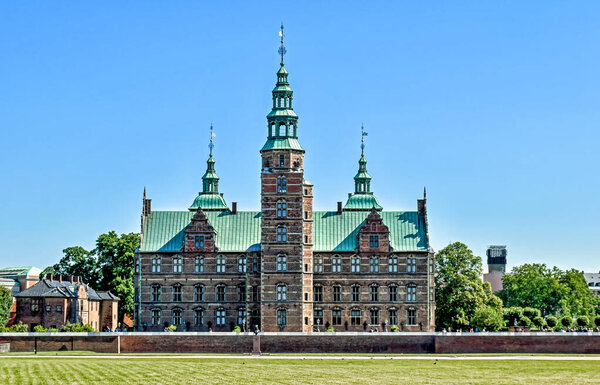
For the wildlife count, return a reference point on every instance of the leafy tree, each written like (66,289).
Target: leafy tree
(531,312)
(116,259)
(513,315)
(6,302)
(539,321)
(597,322)
(46,271)
(78,262)
(566,321)
(579,299)
(552,321)
(488,317)
(459,290)
(583,321)
(525,321)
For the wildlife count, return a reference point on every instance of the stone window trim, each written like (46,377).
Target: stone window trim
(199,290)
(220,316)
(411,264)
(355,291)
(177,290)
(177,316)
(221,263)
(241,261)
(336,316)
(281,291)
(336,293)
(318,264)
(199,264)
(374,292)
(155,316)
(336,264)
(156,292)
(392,292)
(355,264)
(355,316)
(411,316)
(198,316)
(281,317)
(282,208)
(374,264)
(281,184)
(177,264)
(282,262)
(156,264)
(411,292)
(374,316)
(282,234)
(393,264)
(221,292)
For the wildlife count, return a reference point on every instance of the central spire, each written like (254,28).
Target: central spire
(282,121)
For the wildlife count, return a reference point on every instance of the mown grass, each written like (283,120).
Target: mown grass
(149,371)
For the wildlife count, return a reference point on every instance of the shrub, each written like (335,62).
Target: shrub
(511,315)
(583,321)
(524,321)
(39,329)
(76,328)
(531,312)
(331,329)
(597,321)
(394,329)
(539,321)
(552,321)
(566,321)
(52,330)
(19,328)
(237,329)
(171,328)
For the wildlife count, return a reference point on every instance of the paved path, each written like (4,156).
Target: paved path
(327,357)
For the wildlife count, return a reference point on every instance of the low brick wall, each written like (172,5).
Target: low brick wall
(450,343)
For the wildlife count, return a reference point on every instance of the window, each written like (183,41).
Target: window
(393,317)
(374,241)
(374,293)
(199,265)
(281,161)
(374,316)
(411,293)
(155,318)
(374,265)
(337,294)
(318,264)
(306,215)
(281,209)
(48,308)
(156,264)
(355,293)
(281,292)
(177,316)
(281,317)
(355,264)
(411,314)
(220,315)
(355,317)
(242,264)
(255,264)
(137,265)
(336,316)
(318,317)
(336,264)
(281,234)
(281,185)
(177,264)
(242,293)
(393,293)
(393,264)
(411,265)
(155,293)
(254,293)
(198,317)
(59,308)
(199,293)
(177,292)
(199,242)
(241,316)
(281,262)
(221,263)
(318,294)
(221,293)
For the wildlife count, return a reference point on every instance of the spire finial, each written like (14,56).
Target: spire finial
(212,135)
(282,49)
(424,192)
(144,192)
(363,133)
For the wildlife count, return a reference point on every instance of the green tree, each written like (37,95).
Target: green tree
(6,302)
(488,317)
(579,299)
(77,262)
(460,292)
(116,260)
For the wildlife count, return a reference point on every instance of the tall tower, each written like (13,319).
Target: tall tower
(287,228)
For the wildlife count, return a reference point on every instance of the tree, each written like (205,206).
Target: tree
(579,299)
(488,317)
(115,259)
(6,302)
(460,291)
(77,262)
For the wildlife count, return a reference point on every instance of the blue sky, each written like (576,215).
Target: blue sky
(494,106)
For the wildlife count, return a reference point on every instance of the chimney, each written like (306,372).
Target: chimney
(71,279)
(234,207)
(60,278)
(339,207)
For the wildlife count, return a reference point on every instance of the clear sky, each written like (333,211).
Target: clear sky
(494,106)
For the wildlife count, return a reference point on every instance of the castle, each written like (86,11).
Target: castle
(285,267)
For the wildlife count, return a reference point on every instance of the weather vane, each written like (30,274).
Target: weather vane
(282,51)
(363,133)
(212,135)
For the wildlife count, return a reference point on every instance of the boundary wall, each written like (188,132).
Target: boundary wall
(346,342)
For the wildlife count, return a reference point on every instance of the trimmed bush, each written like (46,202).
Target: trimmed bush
(539,321)
(566,321)
(237,329)
(524,321)
(18,328)
(76,328)
(171,328)
(331,329)
(394,329)
(531,312)
(52,330)
(552,321)
(39,329)
(583,321)
(511,315)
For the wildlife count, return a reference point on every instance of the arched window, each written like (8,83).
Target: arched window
(155,316)
(177,316)
(221,263)
(281,317)
(177,292)
(336,293)
(411,315)
(355,264)
(281,129)
(156,293)
(282,292)
(177,264)
(199,264)
(198,316)
(273,129)
(199,293)
(281,234)
(221,293)
(281,184)
(374,293)
(336,316)
(374,265)
(355,293)
(411,293)
(281,208)
(374,316)
(156,264)
(220,315)
(282,262)
(392,316)
(355,317)
(393,293)
(242,264)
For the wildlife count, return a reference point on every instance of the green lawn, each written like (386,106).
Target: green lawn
(150,371)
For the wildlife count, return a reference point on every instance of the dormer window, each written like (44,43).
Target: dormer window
(374,241)
(199,242)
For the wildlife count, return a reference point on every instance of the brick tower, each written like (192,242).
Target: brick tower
(287,229)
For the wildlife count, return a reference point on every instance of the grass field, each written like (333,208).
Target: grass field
(148,371)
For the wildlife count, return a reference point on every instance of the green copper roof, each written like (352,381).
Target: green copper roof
(20,271)
(164,230)
(282,144)
(283,87)
(339,232)
(287,113)
(208,201)
(362,202)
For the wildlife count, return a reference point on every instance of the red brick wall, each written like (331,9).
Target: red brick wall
(546,343)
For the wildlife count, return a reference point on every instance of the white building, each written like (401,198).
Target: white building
(593,281)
